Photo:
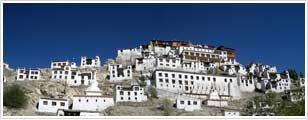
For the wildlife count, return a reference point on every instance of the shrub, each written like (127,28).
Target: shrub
(14,97)
(153,92)
(167,107)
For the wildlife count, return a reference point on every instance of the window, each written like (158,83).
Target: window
(136,88)
(167,81)
(161,80)
(188,102)
(87,100)
(180,82)
(128,93)
(53,103)
(121,98)
(95,100)
(192,82)
(159,74)
(186,82)
(191,77)
(231,80)
(180,76)
(182,102)
(173,81)
(195,103)
(173,75)
(62,104)
(208,78)
(121,93)
(135,93)
(135,98)
(186,76)
(203,78)
(45,102)
(79,100)
(186,88)
(214,79)
(166,74)
(128,98)
(225,80)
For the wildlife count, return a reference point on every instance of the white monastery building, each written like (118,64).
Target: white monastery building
(51,105)
(133,93)
(90,62)
(32,74)
(117,72)
(189,82)
(188,103)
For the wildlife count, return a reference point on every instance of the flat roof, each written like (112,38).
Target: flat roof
(48,98)
(192,73)
(102,96)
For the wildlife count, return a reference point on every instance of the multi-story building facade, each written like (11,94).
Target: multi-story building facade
(188,103)
(32,74)
(90,62)
(51,105)
(198,83)
(117,72)
(133,93)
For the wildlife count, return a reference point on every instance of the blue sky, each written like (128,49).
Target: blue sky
(36,34)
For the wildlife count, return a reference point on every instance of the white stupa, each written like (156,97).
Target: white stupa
(214,95)
(93,89)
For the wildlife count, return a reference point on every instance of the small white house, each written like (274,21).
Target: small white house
(63,70)
(246,84)
(90,62)
(188,103)
(133,93)
(62,64)
(145,65)
(51,105)
(128,55)
(232,113)
(168,63)
(197,66)
(93,100)
(82,77)
(32,74)
(117,72)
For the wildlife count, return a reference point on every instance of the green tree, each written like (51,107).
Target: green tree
(293,74)
(153,92)
(271,98)
(291,109)
(142,82)
(14,97)
(167,107)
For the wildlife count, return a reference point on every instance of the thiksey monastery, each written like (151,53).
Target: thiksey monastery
(196,74)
